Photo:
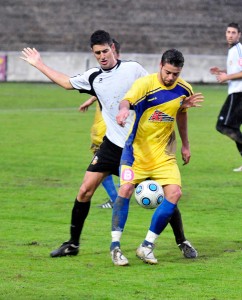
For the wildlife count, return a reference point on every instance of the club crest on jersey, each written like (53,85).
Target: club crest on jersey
(159,116)
(94,161)
(240,61)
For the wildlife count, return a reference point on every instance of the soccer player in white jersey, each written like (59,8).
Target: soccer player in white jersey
(98,130)
(108,83)
(230,116)
(149,151)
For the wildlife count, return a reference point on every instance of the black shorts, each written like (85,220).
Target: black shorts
(231,112)
(106,159)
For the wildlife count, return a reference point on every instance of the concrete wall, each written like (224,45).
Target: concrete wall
(196,69)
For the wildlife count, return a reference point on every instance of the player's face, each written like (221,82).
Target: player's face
(232,35)
(169,74)
(104,55)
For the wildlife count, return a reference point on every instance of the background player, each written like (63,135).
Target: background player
(230,116)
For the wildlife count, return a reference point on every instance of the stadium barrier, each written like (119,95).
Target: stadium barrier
(196,68)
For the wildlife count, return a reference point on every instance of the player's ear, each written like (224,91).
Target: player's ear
(113,47)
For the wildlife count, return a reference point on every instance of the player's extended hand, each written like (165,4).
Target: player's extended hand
(32,56)
(214,70)
(222,77)
(122,116)
(192,101)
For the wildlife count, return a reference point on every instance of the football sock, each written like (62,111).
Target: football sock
(161,216)
(177,226)
(119,217)
(120,213)
(79,213)
(114,245)
(110,188)
(239,147)
(150,238)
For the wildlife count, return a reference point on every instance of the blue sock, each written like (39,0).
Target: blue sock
(114,245)
(120,213)
(162,216)
(110,188)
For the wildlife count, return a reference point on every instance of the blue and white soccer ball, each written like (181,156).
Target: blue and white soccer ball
(149,194)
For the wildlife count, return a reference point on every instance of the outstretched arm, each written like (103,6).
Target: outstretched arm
(33,57)
(181,120)
(223,77)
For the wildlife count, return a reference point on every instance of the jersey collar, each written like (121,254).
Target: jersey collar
(114,67)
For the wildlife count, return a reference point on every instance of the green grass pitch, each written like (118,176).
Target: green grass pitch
(44,147)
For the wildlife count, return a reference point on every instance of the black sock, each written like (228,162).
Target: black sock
(79,213)
(177,226)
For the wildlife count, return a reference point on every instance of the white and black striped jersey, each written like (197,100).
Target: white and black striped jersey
(110,86)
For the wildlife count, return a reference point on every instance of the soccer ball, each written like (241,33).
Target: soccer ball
(149,194)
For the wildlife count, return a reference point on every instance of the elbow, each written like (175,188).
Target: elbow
(67,85)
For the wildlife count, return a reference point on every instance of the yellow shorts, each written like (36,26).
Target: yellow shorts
(168,173)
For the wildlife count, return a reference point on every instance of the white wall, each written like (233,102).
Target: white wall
(196,68)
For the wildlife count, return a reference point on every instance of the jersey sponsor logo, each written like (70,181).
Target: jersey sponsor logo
(95,160)
(127,174)
(159,116)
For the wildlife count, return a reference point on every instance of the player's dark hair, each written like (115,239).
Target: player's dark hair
(234,25)
(173,57)
(117,46)
(100,37)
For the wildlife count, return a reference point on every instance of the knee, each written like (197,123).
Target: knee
(85,193)
(174,195)
(126,190)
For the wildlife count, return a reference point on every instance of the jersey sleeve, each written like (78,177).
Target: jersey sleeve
(137,91)
(141,72)
(81,81)
(188,90)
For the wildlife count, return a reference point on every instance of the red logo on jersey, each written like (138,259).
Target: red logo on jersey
(159,116)
(240,61)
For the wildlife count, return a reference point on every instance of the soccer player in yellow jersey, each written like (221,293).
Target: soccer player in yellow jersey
(98,130)
(149,151)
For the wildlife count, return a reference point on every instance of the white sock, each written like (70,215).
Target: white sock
(151,237)
(116,236)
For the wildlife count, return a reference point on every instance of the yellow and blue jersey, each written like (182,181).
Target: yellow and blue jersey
(98,128)
(151,140)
